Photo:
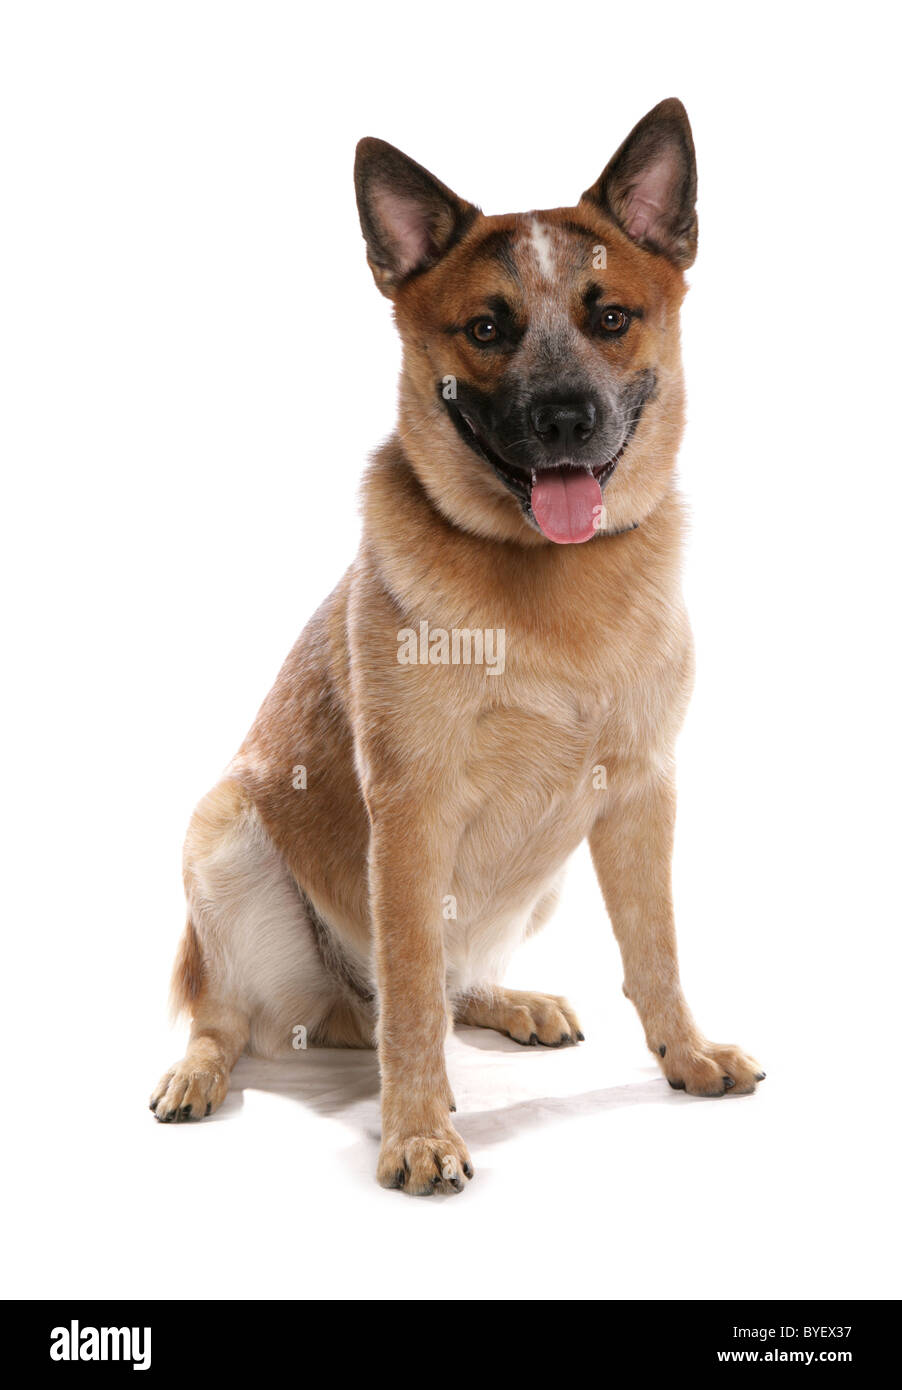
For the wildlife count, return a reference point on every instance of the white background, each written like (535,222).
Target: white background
(195,367)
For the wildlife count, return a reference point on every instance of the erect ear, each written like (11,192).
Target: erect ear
(649,186)
(409,219)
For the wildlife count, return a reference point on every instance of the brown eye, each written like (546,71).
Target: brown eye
(484,330)
(614,320)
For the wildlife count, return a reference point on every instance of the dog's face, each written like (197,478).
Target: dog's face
(541,395)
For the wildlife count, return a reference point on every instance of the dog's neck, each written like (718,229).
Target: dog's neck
(414,543)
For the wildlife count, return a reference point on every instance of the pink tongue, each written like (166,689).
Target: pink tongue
(565,503)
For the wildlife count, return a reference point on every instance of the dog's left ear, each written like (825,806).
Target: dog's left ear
(649,187)
(408,219)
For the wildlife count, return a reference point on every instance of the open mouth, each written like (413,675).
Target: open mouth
(565,501)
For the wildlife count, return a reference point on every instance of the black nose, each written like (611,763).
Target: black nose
(563,426)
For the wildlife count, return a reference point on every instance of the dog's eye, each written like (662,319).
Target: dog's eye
(484,330)
(613,319)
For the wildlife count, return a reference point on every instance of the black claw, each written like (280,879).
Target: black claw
(208,1109)
(760,1075)
(565,1039)
(728,1083)
(171,1115)
(662,1050)
(533,1040)
(456,1184)
(580,1037)
(677,1085)
(452,1107)
(468,1169)
(400,1178)
(186,1112)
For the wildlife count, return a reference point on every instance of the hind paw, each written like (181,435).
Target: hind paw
(528,1018)
(188,1092)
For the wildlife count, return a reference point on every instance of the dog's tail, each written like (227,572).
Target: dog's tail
(188,973)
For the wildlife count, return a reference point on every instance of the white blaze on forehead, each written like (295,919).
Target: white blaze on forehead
(540,241)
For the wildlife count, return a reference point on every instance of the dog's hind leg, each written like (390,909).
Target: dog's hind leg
(520,1014)
(197,1085)
(205,981)
(248,970)
(523,1015)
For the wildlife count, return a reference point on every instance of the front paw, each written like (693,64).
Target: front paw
(422,1163)
(709,1069)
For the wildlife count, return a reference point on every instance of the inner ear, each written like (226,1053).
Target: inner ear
(408,218)
(645,206)
(414,235)
(649,187)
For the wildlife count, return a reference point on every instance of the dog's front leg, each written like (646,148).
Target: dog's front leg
(631,846)
(421,1150)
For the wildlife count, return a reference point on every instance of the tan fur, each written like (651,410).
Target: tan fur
(430,783)
(187,973)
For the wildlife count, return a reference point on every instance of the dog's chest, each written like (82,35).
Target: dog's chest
(530,785)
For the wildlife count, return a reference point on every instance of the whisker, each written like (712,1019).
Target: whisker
(420,423)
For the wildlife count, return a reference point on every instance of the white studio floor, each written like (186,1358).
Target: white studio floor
(593,1178)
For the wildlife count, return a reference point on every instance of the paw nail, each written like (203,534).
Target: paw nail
(760,1075)
(208,1109)
(676,1085)
(662,1050)
(468,1169)
(533,1039)
(728,1083)
(580,1037)
(400,1178)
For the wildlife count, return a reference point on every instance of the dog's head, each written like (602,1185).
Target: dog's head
(541,393)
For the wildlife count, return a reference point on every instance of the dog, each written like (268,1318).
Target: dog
(500,675)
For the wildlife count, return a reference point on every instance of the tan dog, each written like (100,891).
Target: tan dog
(501,673)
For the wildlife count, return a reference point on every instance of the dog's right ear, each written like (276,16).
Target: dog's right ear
(649,186)
(409,220)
